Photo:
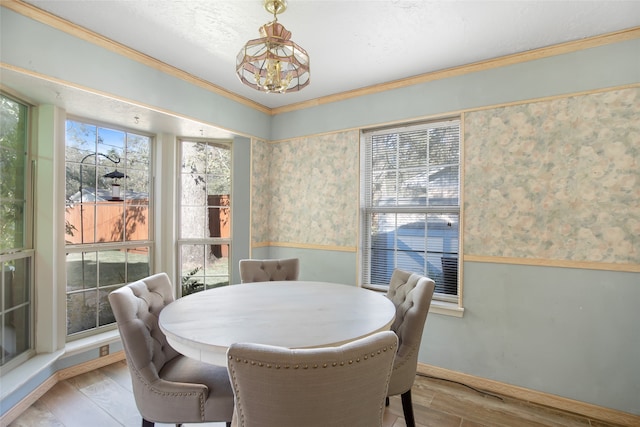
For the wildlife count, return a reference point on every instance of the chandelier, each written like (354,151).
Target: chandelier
(274,62)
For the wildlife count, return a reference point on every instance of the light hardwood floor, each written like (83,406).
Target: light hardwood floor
(104,398)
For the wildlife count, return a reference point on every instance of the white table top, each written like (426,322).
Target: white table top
(294,314)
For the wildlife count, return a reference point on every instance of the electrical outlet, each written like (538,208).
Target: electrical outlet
(104,350)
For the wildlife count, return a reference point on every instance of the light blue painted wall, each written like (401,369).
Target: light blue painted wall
(316,265)
(569,332)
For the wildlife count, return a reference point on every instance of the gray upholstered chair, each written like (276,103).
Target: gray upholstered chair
(168,387)
(342,386)
(411,294)
(265,270)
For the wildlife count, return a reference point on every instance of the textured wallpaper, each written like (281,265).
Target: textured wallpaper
(555,180)
(305,191)
(260,190)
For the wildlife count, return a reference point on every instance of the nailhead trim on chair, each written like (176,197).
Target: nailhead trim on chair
(324,365)
(143,296)
(315,366)
(153,390)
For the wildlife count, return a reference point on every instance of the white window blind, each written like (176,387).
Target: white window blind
(411,204)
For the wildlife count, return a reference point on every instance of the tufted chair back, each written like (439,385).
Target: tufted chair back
(343,386)
(411,294)
(136,308)
(265,270)
(167,386)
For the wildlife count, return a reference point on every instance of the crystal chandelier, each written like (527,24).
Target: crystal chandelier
(274,62)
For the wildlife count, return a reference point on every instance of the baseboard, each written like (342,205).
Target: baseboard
(91,365)
(17,409)
(61,375)
(558,402)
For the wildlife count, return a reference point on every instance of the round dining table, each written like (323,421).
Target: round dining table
(293,314)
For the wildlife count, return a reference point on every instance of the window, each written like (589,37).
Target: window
(107,219)
(16,247)
(205,215)
(410,207)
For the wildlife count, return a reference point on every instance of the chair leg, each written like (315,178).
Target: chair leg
(407,408)
(146,423)
(386,401)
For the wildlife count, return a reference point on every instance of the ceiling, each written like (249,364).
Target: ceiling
(352,44)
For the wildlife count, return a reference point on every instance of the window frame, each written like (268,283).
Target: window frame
(187,279)
(127,246)
(444,303)
(27,251)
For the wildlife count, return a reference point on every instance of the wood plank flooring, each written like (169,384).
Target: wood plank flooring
(104,398)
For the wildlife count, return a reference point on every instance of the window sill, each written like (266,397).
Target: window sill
(446,308)
(21,375)
(437,307)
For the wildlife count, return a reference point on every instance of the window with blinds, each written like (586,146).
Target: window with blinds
(410,207)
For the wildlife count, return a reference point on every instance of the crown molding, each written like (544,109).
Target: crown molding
(51,20)
(516,58)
